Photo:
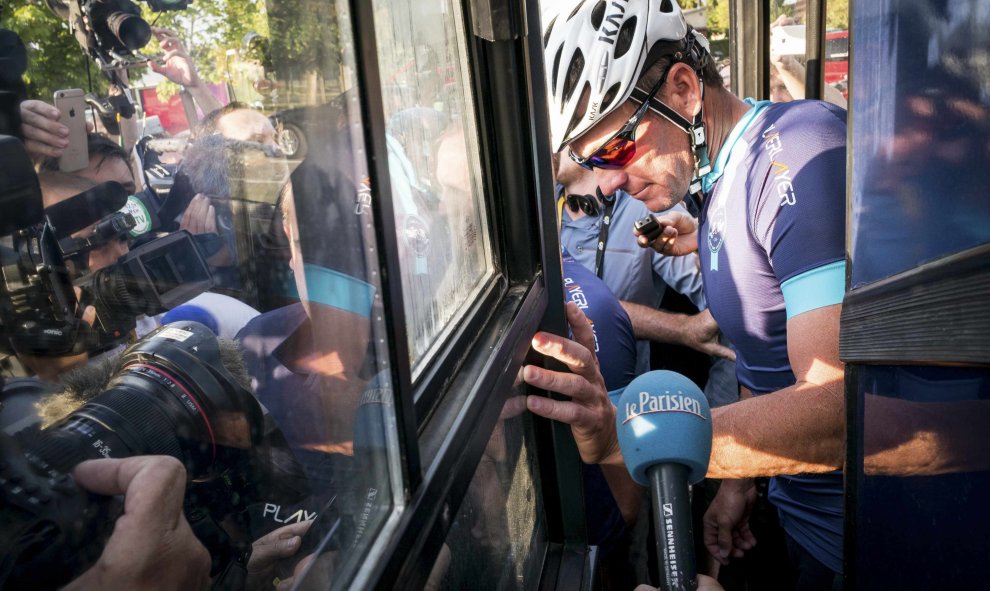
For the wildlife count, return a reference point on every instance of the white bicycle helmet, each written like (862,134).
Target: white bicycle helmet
(596,52)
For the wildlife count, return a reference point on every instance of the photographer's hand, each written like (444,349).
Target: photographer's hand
(201,218)
(43,135)
(152,546)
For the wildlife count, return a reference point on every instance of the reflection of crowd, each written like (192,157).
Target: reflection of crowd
(269,239)
(291,252)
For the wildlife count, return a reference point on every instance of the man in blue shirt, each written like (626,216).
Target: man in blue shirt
(639,277)
(645,109)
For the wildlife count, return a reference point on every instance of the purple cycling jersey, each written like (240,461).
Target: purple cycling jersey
(772,245)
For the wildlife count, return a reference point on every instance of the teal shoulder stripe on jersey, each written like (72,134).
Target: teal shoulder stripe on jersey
(337,290)
(730,143)
(817,288)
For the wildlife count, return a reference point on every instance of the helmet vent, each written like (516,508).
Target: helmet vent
(609,97)
(598,14)
(666,6)
(576,10)
(624,39)
(573,75)
(555,74)
(580,112)
(546,36)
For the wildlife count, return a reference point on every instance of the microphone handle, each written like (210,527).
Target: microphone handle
(672,522)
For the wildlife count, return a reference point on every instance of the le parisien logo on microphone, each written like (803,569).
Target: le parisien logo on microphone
(666,402)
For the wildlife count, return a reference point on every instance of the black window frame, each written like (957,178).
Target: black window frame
(447,415)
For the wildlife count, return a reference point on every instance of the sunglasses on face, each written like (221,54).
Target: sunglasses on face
(618,150)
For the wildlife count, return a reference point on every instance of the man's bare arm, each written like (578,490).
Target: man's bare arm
(698,331)
(799,429)
(795,430)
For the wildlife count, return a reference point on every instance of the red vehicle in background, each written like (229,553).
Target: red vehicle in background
(837,60)
(171,113)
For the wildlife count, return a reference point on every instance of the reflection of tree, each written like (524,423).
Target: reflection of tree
(305,37)
(55,60)
(209,29)
(837,14)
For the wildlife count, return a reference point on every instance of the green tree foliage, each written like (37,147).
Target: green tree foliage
(55,60)
(837,14)
(305,36)
(717,16)
(210,27)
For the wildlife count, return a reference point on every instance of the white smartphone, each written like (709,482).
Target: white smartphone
(787,40)
(72,105)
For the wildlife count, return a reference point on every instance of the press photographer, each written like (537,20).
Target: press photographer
(179,392)
(180,397)
(60,260)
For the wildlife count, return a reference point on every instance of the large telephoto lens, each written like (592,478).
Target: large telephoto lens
(129,29)
(169,395)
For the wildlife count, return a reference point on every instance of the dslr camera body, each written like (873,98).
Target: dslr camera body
(40,313)
(111,31)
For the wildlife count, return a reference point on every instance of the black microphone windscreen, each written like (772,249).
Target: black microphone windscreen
(86,208)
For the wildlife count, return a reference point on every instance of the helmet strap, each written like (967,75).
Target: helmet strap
(699,145)
(695,130)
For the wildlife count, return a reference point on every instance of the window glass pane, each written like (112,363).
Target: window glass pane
(498,539)
(788,53)
(253,221)
(712,19)
(919,153)
(913,500)
(440,219)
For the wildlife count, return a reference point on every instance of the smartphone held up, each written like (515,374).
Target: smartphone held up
(71,104)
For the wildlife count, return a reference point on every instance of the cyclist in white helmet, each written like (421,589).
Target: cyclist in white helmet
(634,96)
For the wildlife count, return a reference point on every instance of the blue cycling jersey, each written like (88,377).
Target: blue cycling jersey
(615,343)
(772,246)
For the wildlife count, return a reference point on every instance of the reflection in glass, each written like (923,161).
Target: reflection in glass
(444,244)
(321,363)
(267,195)
(493,542)
(931,420)
(788,52)
(921,160)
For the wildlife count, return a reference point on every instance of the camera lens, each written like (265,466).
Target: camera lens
(166,397)
(119,292)
(146,411)
(130,29)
